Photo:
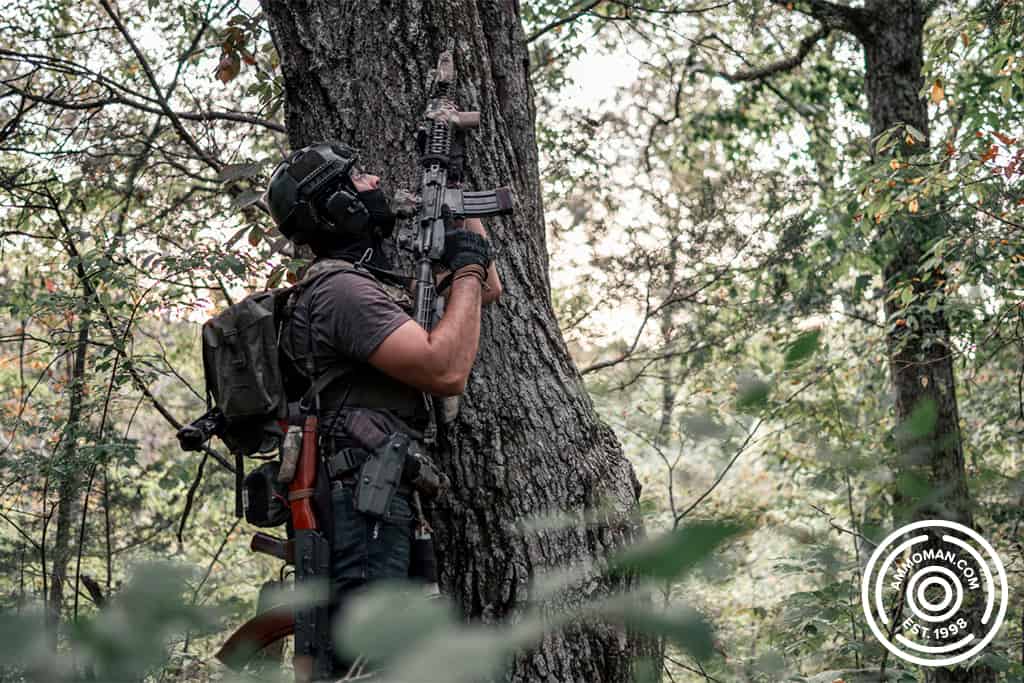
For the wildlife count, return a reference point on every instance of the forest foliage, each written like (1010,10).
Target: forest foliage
(718,233)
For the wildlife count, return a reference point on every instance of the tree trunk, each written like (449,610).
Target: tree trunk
(527,441)
(920,352)
(67,474)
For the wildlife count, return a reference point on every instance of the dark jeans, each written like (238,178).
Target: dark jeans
(366,549)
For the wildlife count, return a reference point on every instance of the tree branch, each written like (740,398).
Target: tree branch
(190,498)
(108,320)
(571,17)
(94,589)
(743,447)
(151,77)
(787,64)
(671,11)
(853,20)
(203,116)
(763,74)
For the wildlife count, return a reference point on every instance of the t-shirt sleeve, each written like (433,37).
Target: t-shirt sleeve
(360,315)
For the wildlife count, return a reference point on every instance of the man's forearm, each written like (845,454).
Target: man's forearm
(457,336)
(493,290)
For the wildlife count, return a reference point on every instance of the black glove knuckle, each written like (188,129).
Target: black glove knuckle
(463,248)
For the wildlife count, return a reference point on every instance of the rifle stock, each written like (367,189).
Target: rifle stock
(311,552)
(254,635)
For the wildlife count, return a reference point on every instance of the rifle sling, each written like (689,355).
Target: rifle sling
(301,494)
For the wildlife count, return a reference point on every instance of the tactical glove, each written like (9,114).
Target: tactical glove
(463,248)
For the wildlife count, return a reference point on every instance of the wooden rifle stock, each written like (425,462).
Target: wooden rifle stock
(300,491)
(254,635)
(312,660)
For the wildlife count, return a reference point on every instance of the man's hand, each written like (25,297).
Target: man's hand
(493,289)
(465,248)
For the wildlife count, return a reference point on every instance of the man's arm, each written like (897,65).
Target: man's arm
(493,290)
(437,362)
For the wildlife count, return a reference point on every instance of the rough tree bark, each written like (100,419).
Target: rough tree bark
(527,441)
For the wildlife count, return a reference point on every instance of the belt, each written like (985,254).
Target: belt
(352,479)
(343,469)
(345,461)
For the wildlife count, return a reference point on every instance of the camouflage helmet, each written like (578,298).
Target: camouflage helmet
(311,192)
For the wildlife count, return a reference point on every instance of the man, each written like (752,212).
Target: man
(356,315)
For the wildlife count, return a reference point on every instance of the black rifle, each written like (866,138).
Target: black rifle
(436,204)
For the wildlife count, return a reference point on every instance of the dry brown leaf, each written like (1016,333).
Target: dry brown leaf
(1005,139)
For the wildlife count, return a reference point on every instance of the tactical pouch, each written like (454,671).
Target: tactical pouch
(264,498)
(424,476)
(370,428)
(422,565)
(291,448)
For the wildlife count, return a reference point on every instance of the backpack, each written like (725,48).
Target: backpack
(243,370)
(249,379)
(247,376)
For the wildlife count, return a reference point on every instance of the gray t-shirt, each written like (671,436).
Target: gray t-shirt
(348,315)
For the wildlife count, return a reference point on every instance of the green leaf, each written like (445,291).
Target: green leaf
(860,285)
(237,236)
(702,426)
(675,553)
(24,637)
(995,661)
(276,276)
(921,421)
(752,395)
(232,172)
(918,135)
(466,654)
(371,626)
(884,140)
(803,348)
(686,628)
(912,486)
(247,198)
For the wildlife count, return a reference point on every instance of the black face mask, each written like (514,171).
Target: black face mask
(355,251)
(380,211)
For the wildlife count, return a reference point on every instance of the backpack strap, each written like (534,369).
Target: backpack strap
(317,273)
(321,383)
